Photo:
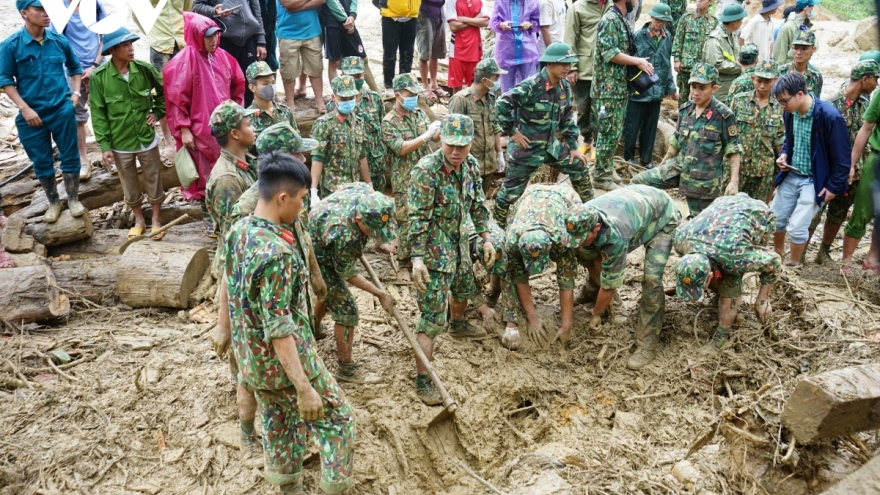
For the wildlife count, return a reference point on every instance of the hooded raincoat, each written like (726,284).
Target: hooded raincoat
(517,46)
(196,82)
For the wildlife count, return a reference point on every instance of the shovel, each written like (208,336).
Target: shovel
(141,237)
(449,405)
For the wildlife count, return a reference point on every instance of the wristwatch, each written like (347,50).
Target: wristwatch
(77,93)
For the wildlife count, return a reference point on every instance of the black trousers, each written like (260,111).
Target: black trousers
(640,122)
(245,56)
(397,36)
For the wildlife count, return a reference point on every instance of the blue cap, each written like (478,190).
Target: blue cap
(802,4)
(23,4)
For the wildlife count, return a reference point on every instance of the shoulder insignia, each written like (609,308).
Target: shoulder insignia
(709,114)
(242,165)
(287,236)
(732,131)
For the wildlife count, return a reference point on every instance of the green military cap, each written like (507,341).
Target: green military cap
(768,69)
(377,212)
(488,67)
(226,117)
(865,68)
(258,69)
(24,4)
(691,274)
(748,54)
(704,73)
(560,53)
(456,129)
(534,246)
(344,86)
(804,38)
(282,137)
(579,221)
(661,11)
(407,82)
(352,66)
(733,13)
(871,55)
(117,37)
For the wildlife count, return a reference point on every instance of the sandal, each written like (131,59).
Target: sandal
(135,231)
(111,169)
(159,236)
(168,157)
(429,95)
(875,269)
(440,92)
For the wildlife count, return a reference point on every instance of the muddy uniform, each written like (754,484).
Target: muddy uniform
(340,148)
(482,111)
(609,90)
(267,277)
(440,202)
(762,133)
(687,46)
(229,178)
(507,298)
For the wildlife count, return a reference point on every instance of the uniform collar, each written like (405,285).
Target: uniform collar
(544,79)
(282,232)
(235,161)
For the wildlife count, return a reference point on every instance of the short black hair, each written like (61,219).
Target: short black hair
(224,139)
(790,84)
(279,171)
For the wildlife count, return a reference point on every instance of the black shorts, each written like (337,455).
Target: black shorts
(338,44)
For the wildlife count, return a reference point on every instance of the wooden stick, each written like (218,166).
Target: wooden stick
(19,375)
(481,480)
(868,305)
(60,373)
(141,237)
(648,396)
(518,433)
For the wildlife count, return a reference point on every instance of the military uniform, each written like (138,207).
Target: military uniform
(742,84)
(341,142)
(507,298)
(283,137)
(787,33)
(722,52)
(261,119)
(677,8)
(687,47)
(581,21)
(812,75)
(267,280)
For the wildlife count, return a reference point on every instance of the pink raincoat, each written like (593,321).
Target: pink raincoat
(196,82)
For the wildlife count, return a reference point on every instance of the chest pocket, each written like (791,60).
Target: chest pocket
(446,202)
(708,142)
(141,98)
(27,68)
(53,66)
(117,106)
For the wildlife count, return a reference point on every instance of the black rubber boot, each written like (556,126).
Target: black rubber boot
(71,185)
(461,329)
(494,291)
(51,215)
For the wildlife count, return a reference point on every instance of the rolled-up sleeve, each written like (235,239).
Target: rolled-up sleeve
(275,314)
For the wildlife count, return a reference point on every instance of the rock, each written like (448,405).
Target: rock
(228,435)
(865,34)
(686,474)
(626,422)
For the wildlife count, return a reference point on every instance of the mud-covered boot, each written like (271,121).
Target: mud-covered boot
(718,341)
(639,359)
(292,489)
(605,185)
(251,451)
(427,392)
(320,332)
(494,291)
(51,215)
(823,255)
(348,372)
(71,185)
(461,329)
(616,177)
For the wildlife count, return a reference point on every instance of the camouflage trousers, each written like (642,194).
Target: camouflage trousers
(586,113)
(684,88)
(399,186)
(608,135)
(285,435)
(759,187)
(434,302)
(377,172)
(837,208)
(339,302)
(666,176)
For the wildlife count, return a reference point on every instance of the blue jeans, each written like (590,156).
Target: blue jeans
(794,206)
(59,123)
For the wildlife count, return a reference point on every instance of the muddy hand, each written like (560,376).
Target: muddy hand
(537,333)
(420,276)
(310,406)
(564,335)
(319,286)
(489,319)
(488,254)
(763,310)
(595,324)
(220,339)
(510,339)
(386,301)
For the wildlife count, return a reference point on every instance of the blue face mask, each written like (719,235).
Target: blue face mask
(410,103)
(345,107)
(496,87)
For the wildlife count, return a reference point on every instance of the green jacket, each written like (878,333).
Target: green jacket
(120,108)
(581,21)
(787,33)
(722,51)
(658,50)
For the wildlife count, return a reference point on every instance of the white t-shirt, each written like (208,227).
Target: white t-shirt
(552,13)
(759,32)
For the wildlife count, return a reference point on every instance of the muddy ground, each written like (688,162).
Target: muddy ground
(146,407)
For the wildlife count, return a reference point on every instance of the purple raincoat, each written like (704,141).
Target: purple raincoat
(518,46)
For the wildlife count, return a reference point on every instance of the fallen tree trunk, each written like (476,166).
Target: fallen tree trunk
(107,242)
(94,279)
(160,274)
(67,229)
(29,295)
(864,481)
(834,403)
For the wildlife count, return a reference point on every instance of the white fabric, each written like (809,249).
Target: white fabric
(760,32)
(552,13)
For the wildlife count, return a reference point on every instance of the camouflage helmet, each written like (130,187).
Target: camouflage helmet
(559,53)
(258,69)
(534,246)
(352,65)
(282,137)
(408,82)
(748,54)
(804,38)
(344,86)
(377,212)
(767,69)
(865,68)
(579,221)
(456,129)
(488,67)
(226,117)
(691,274)
(704,73)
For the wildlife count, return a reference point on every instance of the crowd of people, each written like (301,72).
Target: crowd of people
(757,154)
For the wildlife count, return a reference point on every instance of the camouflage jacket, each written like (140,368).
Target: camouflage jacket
(370,110)
(690,36)
(543,113)
(339,243)
(812,75)
(482,111)
(229,178)
(852,112)
(733,232)
(543,207)
(762,131)
(440,200)
(630,218)
(261,120)
(742,84)
(341,145)
(397,128)
(609,81)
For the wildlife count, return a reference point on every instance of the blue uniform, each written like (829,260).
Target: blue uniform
(39,72)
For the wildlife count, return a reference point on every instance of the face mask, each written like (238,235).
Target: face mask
(410,103)
(629,7)
(266,93)
(812,13)
(358,83)
(495,87)
(345,107)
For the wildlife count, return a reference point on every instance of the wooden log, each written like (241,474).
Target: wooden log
(93,279)
(864,481)
(29,296)
(14,239)
(67,229)
(834,403)
(160,274)
(107,242)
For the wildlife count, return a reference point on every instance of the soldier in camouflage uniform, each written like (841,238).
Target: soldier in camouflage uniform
(341,225)
(261,81)
(581,21)
(478,102)
(445,187)
(272,338)
(851,101)
(804,46)
(719,246)
(721,49)
(677,8)
(748,59)
(536,235)
(605,229)
(705,135)
(537,114)
(279,137)
(687,46)
(762,131)
(341,155)
(406,133)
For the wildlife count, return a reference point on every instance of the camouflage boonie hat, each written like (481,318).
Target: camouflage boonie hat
(579,221)
(226,117)
(282,137)
(865,68)
(377,212)
(871,55)
(352,65)
(407,82)
(488,67)
(767,69)
(456,130)
(748,54)
(691,274)
(344,86)
(534,246)
(703,73)
(804,38)
(258,69)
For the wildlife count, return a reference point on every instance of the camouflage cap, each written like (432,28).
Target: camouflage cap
(344,86)
(258,69)
(691,274)
(804,38)
(377,212)
(534,246)
(456,129)
(488,67)
(865,68)
(283,137)
(767,69)
(579,221)
(871,55)
(226,117)
(704,73)
(407,82)
(748,54)
(352,66)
